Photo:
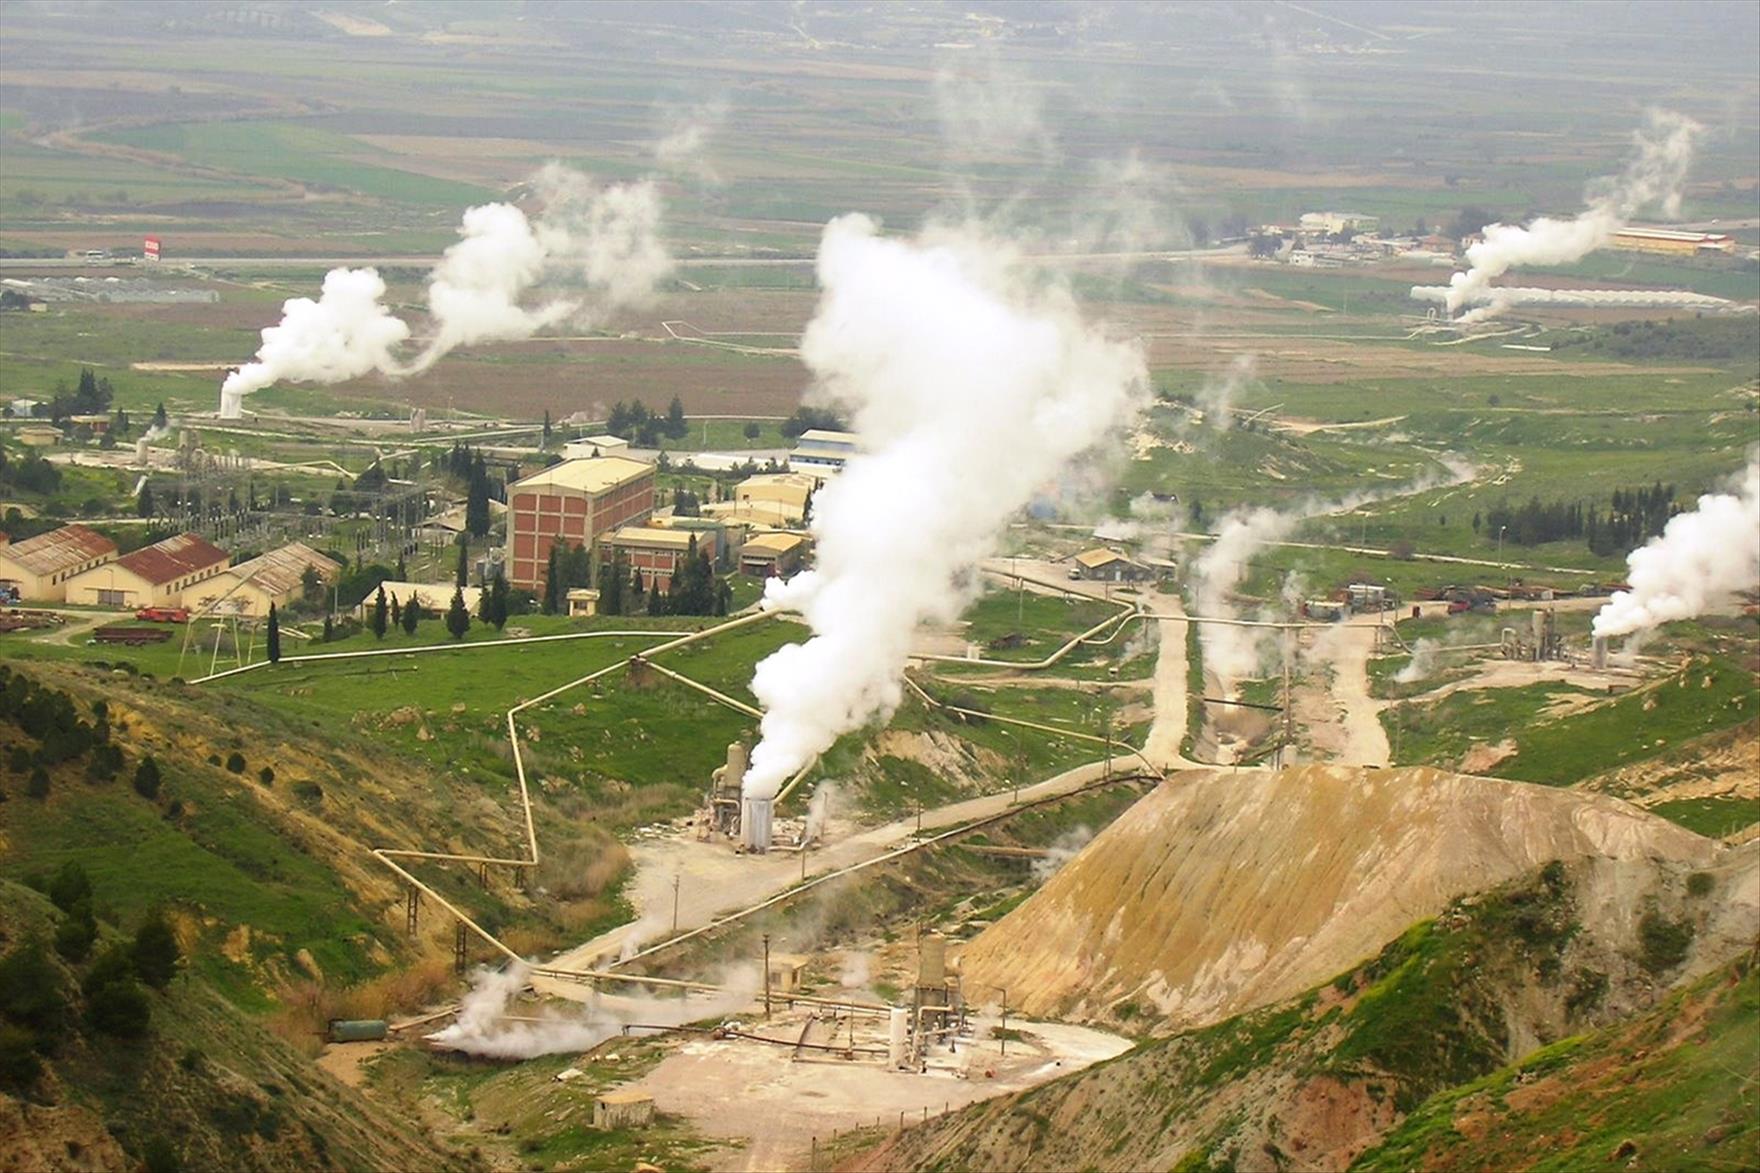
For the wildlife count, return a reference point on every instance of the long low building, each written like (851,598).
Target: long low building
(39,568)
(158,575)
(436,597)
(277,577)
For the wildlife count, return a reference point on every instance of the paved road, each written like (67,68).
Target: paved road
(173,264)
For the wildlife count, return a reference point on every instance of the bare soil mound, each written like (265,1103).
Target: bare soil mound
(1220,892)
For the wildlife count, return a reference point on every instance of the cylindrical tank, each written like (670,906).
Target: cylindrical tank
(1598,652)
(140,451)
(357,1030)
(932,963)
(898,1035)
(754,823)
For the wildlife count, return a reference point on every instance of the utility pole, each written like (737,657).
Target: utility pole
(675,879)
(766,977)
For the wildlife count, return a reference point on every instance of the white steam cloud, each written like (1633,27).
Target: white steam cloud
(343,335)
(1236,653)
(970,384)
(1663,150)
(1422,665)
(488,1024)
(607,240)
(1702,559)
(1063,849)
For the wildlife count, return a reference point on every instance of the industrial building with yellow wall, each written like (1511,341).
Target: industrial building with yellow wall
(573,503)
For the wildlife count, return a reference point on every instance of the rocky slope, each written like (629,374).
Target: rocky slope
(1220,892)
(1409,1050)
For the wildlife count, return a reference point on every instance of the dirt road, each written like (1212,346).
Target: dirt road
(1364,742)
(1168,732)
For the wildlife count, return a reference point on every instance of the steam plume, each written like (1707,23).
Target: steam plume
(969,385)
(1702,558)
(1234,653)
(484,1025)
(473,295)
(1662,151)
(605,239)
(343,335)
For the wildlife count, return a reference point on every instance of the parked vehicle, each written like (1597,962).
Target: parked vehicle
(163,614)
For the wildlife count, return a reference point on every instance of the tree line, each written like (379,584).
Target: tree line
(1633,517)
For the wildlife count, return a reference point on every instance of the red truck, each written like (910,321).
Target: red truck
(163,614)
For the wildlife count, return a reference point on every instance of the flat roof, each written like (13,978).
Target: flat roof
(59,549)
(590,474)
(648,535)
(1670,234)
(773,543)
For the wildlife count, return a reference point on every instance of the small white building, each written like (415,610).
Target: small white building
(591,446)
(436,597)
(821,454)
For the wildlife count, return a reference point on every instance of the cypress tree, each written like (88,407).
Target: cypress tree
(379,614)
(412,614)
(498,601)
(273,641)
(464,562)
(458,618)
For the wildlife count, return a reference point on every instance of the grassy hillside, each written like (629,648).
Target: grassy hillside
(1318,1080)
(1672,1089)
(200,1086)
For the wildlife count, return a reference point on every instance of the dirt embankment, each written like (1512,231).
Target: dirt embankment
(1222,891)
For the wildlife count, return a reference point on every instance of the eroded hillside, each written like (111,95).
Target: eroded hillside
(1220,892)
(1315,1081)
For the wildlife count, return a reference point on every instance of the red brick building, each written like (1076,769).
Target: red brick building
(656,554)
(573,502)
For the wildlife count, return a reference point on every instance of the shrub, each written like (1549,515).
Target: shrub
(266,776)
(235,762)
(120,1008)
(19,1065)
(30,993)
(74,935)
(147,778)
(70,888)
(1664,942)
(158,1156)
(1699,884)
(155,951)
(38,786)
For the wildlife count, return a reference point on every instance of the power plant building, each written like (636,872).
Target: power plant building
(657,554)
(277,578)
(159,575)
(772,555)
(39,568)
(1333,223)
(574,502)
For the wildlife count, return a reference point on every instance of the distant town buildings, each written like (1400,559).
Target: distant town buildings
(574,503)
(1332,223)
